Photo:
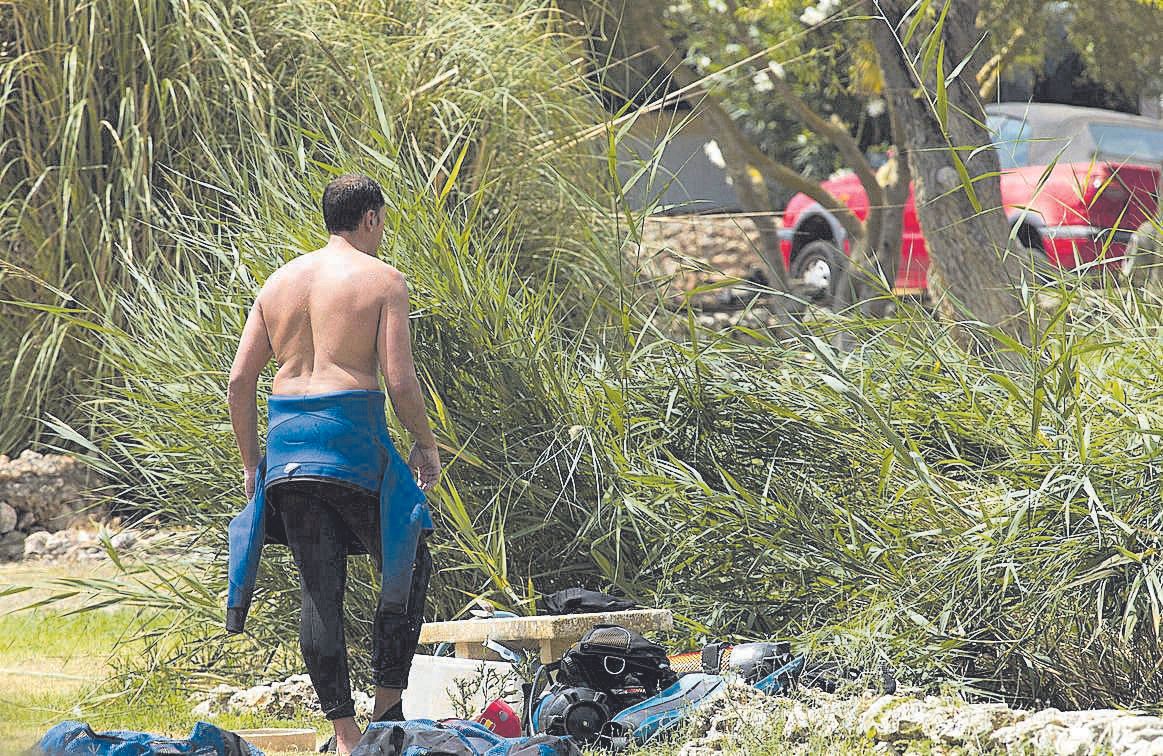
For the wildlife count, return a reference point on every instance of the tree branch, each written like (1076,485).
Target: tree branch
(839,136)
(987,76)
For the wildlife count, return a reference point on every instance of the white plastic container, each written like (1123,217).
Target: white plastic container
(432,685)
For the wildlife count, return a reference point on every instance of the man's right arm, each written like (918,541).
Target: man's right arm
(394,347)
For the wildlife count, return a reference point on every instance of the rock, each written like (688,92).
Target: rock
(258,698)
(1136,734)
(90,554)
(57,544)
(8,517)
(36,544)
(86,545)
(12,546)
(285,698)
(972,723)
(893,718)
(26,521)
(364,704)
(214,701)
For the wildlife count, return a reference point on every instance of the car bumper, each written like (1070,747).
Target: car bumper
(1085,246)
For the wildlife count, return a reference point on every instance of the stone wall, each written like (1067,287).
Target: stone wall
(682,253)
(40,492)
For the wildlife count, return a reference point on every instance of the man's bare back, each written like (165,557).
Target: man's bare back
(323,315)
(330,318)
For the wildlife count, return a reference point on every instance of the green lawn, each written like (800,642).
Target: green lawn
(55,666)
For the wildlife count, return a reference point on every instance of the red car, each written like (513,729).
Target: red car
(1076,212)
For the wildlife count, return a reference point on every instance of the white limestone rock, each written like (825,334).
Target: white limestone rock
(256,699)
(970,723)
(36,544)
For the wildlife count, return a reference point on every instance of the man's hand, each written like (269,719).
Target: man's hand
(425,462)
(249,475)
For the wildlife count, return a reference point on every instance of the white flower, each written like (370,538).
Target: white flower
(814,14)
(762,82)
(703,62)
(717,5)
(875,107)
(776,70)
(714,154)
(811,16)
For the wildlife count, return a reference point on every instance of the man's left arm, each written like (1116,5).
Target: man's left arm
(254,352)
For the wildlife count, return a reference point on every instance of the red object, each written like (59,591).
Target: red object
(501,719)
(1103,185)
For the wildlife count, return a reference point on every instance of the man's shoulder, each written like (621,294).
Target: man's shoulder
(279,275)
(389,277)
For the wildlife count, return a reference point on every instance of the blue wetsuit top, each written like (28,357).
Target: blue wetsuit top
(339,436)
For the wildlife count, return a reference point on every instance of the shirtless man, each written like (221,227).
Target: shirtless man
(330,318)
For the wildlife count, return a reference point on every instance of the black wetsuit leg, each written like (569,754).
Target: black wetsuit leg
(394,635)
(316,534)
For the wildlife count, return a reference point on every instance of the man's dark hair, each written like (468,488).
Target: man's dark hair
(347,198)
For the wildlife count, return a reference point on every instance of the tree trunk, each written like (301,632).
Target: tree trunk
(967,274)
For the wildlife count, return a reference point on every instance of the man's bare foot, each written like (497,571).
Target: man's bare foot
(347,735)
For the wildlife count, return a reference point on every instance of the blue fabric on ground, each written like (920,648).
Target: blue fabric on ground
(419,737)
(339,436)
(77,738)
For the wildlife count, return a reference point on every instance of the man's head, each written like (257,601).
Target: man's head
(353,207)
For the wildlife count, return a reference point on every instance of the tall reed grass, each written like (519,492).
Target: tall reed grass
(995,524)
(123,117)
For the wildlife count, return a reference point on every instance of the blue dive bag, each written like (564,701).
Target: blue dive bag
(78,739)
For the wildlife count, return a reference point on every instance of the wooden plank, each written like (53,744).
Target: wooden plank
(569,627)
(553,649)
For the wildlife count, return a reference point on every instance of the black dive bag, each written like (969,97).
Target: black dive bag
(610,669)
(618,662)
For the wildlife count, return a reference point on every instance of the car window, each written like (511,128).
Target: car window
(1140,144)
(1012,140)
